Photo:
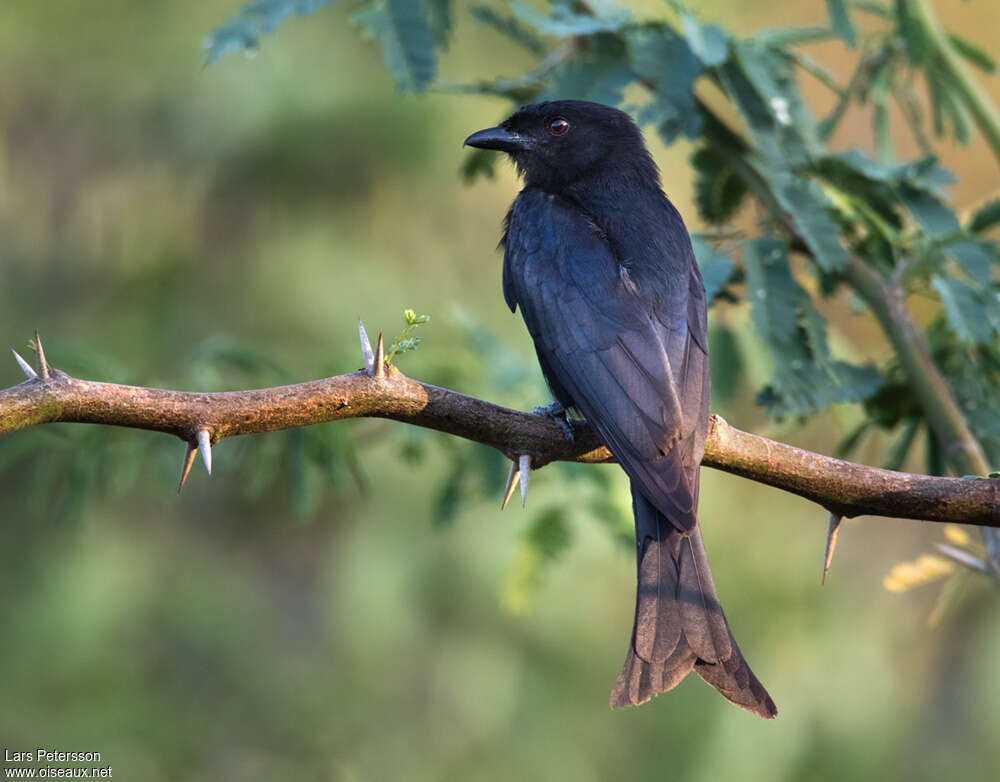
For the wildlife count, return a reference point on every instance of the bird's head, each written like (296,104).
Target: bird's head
(560,143)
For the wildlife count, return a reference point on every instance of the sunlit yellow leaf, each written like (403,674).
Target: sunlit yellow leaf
(956,534)
(907,575)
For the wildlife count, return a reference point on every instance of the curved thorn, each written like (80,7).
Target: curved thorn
(25,366)
(524,466)
(192,450)
(205,446)
(513,477)
(366,348)
(831,542)
(43,365)
(379,358)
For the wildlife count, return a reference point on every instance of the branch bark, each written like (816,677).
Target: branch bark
(842,487)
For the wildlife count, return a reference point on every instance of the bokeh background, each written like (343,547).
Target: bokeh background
(320,608)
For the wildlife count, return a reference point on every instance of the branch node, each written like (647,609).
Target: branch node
(25,366)
(379,359)
(43,365)
(205,447)
(831,542)
(192,451)
(366,349)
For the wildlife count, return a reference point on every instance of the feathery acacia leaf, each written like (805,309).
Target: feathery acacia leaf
(805,376)
(510,27)
(242,32)
(840,22)
(565,22)
(719,192)
(716,267)
(404,31)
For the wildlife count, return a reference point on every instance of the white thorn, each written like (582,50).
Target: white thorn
(366,348)
(962,557)
(524,466)
(205,446)
(25,366)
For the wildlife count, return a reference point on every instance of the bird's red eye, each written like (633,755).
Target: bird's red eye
(558,126)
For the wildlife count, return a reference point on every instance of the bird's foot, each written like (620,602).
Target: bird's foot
(557,412)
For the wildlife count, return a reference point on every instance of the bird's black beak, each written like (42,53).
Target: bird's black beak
(499,138)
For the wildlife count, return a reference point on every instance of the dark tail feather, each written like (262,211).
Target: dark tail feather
(679,623)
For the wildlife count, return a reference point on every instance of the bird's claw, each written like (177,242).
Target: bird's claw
(557,412)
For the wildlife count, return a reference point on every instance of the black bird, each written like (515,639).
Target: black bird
(601,265)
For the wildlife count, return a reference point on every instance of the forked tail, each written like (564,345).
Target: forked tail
(679,622)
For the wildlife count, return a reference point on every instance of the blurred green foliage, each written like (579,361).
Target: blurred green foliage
(212,228)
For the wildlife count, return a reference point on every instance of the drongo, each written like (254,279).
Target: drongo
(600,264)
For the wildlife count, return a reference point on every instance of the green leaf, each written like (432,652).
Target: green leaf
(881,10)
(773,293)
(934,217)
(404,342)
(403,29)
(840,22)
(709,43)
(510,27)
(948,104)
(805,377)
(976,259)
(519,91)
(727,362)
(452,490)
(985,217)
(667,61)
(718,190)
(808,206)
(478,163)
(546,538)
(716,267)
(880,90)
(760,67)
(973,53)
(970,316)
(934,457)
(915,37)
(900,448)
(924,173)
(601,78)
(242,32)
(549,533)
(864,165)
(762,83)
(441,20)
(846,447)
(565,22)
(784,37)
(882,131)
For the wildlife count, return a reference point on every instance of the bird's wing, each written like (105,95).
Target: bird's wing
(630,352)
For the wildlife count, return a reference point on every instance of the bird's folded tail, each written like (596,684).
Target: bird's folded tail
(679,622)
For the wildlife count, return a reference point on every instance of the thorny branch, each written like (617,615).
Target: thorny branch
(531,441)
